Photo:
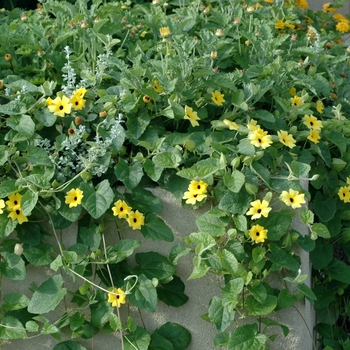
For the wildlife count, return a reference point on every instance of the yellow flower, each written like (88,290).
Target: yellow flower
(258,233)
(198,187)
(327,8)
(80,92)
(2,205)
(344,194)
(191,116)
(253,125)
(77,102)
(14,201)
(260,138)
(156,87)
(279,24)
(302,4)
(292,91)
(287,139)
(192,198)
(312,122)
(314,136)
(59,106)
(48,101)
(117,297)
(231,125)
(164,32)
(292,198)
(297,101)
(73,197)
(319,106)
(269,1)
(217,98)
(259,208)
(339,17)
(17,214)
(343,26)
(121,209)
(135,220)
(290,26)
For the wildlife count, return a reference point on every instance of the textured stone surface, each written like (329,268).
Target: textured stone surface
(182,222)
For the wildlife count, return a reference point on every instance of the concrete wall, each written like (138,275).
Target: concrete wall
(300,320)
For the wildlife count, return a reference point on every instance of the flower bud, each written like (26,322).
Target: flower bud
(207,10)
(78,120)
(102,114)
(219,32)
(213,55)
(18,249)
(1,84)
(146,99)
(8,57)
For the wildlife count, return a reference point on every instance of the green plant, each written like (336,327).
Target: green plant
(232,104)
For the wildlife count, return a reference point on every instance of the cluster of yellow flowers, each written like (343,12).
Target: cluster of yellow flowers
(63,105)
(135,219)
(342,25)
(197,191)
(344,192)
(260,208)
(315,126)
(13,205)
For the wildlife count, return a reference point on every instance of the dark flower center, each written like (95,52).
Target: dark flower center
(60,108)
(121,209)
(18,212)
(259,211)
(75,198)
(135,220)
(258,234)
(291,199)
(15,202)
(118,296)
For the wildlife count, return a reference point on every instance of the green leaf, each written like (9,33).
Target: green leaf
(339,271)
(158,342)
(258,309)
(259,292)
(236,203)
(172,293)
(322,255)
(123,249)
(99,201)
(47,296)
(306,215)
(89,236)
(69,345)
(285,299)
(268,322)
(15,301)
(152,170)
(71,214)
(155,265)
(178,336)
(144,294)
(325,208)
(28,202)
(262,172)
(280,258)
(100,310)
(234,181)
(221,315)
(140,339)
(22,124)
(166,160)
(277,225)
(130,175)
(7,225)
(144,200)
(209,222)
(307,291)
(321,230)
(39,255)
(156,229)
(12,266)
(231,292)
(36,156)
(11,328)
(3,154)
(230,263)
(246,148)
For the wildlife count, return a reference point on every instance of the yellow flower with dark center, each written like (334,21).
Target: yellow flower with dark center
(73,197)
(164,32)
(260,138)
(77,102)
(292,198)
(253,125)
(302,4)
(314,136)
(60,106)
(2,205)
(297,101)
(135,220)
(80,92)
(327,8)
(259,208)
(217,98)
(14,201)
(156,86)
(319,106)
(192,198)
(287,139)
(258,233)
(343,26)
(312,122)
(231,125)
(121,209)
(117,297)
(344,194)
(198,187)
(191,116)
(17,214)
